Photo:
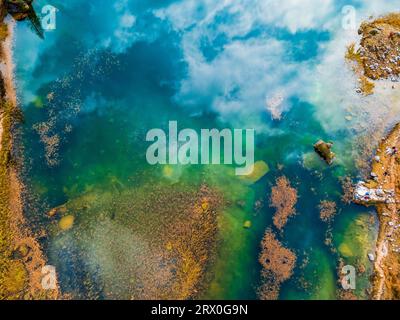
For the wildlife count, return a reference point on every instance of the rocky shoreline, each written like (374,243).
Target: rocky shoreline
(382,190)
(377,58)
(21,258)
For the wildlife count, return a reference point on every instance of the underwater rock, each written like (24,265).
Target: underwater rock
(66,222)
(57,211)
(261,168)
(345,250)
(247,224)
(324,151)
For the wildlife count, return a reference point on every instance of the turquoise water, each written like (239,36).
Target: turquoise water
(113,70)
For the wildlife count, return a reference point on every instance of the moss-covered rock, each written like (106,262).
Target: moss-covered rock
(324,151)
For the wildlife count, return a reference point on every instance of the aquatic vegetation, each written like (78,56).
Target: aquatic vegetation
(126,230)
(283,199)
(277,264)
(345,250)
(366,86)
(312,161)
(146,243)
(352,54)
(327,210)
(347,190)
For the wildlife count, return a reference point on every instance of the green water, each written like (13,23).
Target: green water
(101,150)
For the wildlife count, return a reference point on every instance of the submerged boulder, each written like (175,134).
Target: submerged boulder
(261,168)
(324,151)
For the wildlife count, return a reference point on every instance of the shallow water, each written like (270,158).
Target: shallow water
(110,84)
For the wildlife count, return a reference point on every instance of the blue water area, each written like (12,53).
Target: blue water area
(112,70)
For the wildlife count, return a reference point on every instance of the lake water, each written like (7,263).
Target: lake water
(112,70)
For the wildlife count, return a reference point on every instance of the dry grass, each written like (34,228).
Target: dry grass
(12,275)
(366,86)
(353,55)
(392,19)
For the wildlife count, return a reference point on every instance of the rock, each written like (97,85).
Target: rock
(374,32)
(247,224)
(66,222)
(323,149)
(365,195)
(57,211)
(371,257)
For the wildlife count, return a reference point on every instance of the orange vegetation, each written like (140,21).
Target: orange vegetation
(348,190)
(152,242)
(283,199)
(327,210)
(277,264)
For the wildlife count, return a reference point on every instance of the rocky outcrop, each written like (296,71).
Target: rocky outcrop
(370,196)
(379,51)
(324,151)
